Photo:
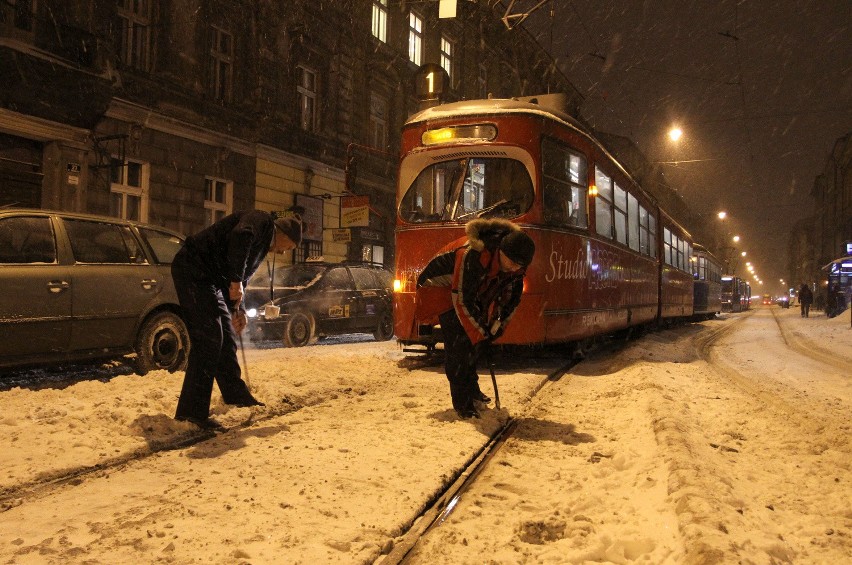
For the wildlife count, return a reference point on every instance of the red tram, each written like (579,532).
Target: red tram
(607,256)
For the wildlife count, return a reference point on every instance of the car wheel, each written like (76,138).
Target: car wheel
(299,330)
(384,331)
(162,343)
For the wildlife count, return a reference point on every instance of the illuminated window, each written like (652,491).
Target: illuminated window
(565,185)
(620,214)
(135,22)
(415,39)
(447,56)
(221,64)
(633,222)
(128,190)
(306,87)
(380,20)
(603,204)
(218,199)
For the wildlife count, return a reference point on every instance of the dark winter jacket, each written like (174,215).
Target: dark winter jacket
(471,282)
(232,249)
(805,295)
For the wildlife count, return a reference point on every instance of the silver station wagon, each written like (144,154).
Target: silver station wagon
(78,286)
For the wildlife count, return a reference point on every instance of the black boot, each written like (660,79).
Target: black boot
(481,397)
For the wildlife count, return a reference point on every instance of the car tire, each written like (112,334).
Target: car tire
(384,331)
(299,330)
(162,343)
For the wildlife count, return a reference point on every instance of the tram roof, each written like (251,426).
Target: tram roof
(553,106)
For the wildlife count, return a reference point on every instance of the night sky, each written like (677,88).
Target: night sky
(761,89)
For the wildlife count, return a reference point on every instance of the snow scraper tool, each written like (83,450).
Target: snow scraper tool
(493,377)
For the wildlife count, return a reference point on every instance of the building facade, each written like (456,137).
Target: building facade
(178,112)
(827,235)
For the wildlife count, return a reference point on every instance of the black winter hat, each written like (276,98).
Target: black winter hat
(519,247)
(291,227)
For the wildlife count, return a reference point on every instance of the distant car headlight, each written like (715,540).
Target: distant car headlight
(251,312)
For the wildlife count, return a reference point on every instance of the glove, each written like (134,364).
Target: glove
(239,320)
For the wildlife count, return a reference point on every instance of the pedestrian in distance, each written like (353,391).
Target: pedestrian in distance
(836,302)
(210,272)
(478,286)
(806,297)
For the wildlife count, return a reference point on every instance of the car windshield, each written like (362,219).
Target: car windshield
(291,276)
(464,189)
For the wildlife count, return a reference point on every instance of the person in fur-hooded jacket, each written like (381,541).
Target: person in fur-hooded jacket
(484,281)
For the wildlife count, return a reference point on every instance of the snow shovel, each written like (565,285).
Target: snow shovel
(245,364)
(493,376)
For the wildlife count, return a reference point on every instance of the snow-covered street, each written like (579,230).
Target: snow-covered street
(721,442)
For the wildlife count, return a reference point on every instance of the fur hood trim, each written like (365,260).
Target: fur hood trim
(480,229)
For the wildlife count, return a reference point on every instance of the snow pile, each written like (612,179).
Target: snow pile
(661,451)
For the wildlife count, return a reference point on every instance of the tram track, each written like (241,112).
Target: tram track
(780,400)
(443,504)
(45,483)
(13,496)
(811,349)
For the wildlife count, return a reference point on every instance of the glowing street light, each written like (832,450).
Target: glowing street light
(736,239)
(722,215)
(675,133)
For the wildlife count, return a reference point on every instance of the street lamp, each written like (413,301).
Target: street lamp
(675,133)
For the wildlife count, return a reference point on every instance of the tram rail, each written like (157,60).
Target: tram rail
(445,502)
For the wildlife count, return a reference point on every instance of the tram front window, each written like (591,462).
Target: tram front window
(464,189)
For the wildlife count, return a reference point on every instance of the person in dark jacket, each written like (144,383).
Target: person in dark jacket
(209,273)
(806,297)
(483,280)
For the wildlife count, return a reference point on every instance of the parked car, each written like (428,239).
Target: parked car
(309,300)
(79,286)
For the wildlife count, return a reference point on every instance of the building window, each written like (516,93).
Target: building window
(378,121)
(135,21)
(128,190)
(415,39)
(221,64)
(447,56)
(307,249)
(306,87)
(218,199)
(482,81)
(373,254)
(19,14)
(380,20)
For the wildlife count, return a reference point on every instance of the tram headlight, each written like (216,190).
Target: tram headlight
(397,285)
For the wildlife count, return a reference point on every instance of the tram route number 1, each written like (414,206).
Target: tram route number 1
(431,81)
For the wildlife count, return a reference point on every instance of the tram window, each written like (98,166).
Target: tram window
(603,204)
(667,246)
(565,185)
(463,189)
(633,222)
(652,235)
(620,214)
